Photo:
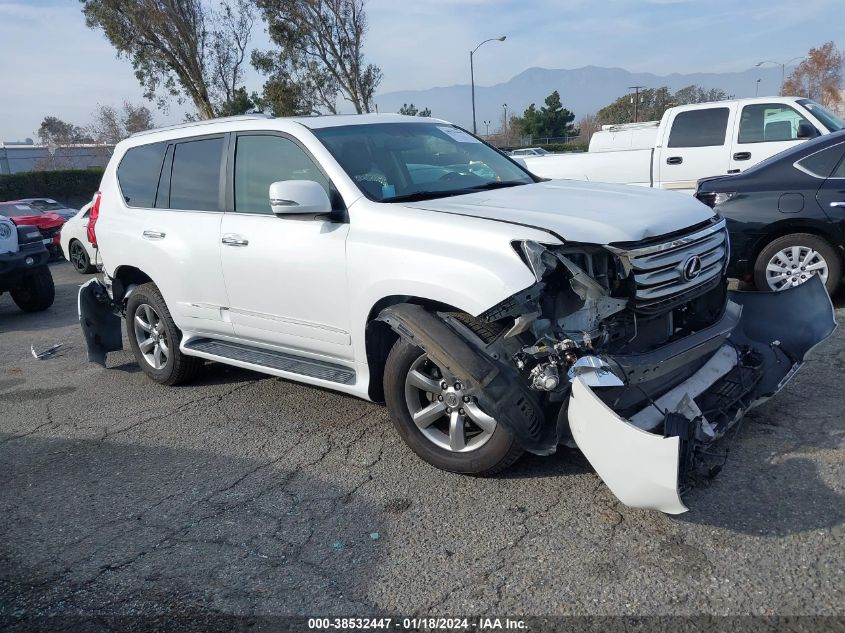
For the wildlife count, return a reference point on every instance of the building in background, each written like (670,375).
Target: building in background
(18,157)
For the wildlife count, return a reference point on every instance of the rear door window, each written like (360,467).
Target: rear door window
(195,175)
(700,128)
(769,122)
(138,174)
(821,163)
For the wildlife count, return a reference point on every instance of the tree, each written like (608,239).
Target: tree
(111,126)
(551,120)
(282,97)
(321,48)
(587,126)
(819,76)
(54,132)
(653,102)
(238,103)
(136,118)
(412,110)
(697,94)
(178,48)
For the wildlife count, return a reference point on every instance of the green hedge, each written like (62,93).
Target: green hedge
(64,184)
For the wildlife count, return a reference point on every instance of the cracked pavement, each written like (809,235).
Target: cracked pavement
(246,494)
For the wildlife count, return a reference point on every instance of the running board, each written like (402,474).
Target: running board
(273,360)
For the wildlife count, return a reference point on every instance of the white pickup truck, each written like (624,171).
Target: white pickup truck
(692,142)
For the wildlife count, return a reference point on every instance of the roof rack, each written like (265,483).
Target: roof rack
(179,126)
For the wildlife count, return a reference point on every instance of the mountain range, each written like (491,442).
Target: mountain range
(582,90)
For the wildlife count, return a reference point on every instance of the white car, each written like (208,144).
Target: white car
(692,142)
(402,260)
(74,242)
(529,151)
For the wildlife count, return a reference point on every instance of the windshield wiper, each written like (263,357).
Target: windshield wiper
(426,195)
(430,195)
(498,184)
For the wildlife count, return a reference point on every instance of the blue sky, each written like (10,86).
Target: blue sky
(51,63)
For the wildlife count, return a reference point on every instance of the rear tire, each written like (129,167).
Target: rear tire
(78,257)
(148,319)
(497,450)
(36,291)
(797,257)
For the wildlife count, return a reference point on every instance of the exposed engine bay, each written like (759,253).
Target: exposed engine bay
(637,353)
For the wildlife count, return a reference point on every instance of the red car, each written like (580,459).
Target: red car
(48,223)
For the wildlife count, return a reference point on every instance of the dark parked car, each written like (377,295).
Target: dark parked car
(785,215)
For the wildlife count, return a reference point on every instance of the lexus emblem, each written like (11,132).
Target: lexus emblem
(692,267)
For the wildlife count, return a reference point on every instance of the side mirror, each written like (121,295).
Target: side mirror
(298,197)
(806,130)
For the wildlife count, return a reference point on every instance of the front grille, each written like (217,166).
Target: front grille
(658,269)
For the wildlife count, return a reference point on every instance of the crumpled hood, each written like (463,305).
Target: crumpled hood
(581,211)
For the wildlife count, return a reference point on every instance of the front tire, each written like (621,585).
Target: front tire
(793,259)
(154,338)
(463,439)
(36,292)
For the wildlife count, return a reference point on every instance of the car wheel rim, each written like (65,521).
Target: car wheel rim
(794,265)
(77,257)
(151,336)
(444,410)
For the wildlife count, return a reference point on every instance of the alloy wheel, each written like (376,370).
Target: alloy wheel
(78,257)
(151,336)
(444,410)
(794,265)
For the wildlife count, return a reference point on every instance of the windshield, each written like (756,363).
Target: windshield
(44,205)
(393,162)
(832,122)
(17,210)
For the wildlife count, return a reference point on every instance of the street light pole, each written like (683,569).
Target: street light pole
(472,73)
(757,89)
(782,68)
(487,127)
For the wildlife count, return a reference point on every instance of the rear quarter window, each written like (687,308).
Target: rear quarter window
(699,128)
(138,174)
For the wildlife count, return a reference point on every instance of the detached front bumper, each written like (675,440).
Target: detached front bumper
(648,458)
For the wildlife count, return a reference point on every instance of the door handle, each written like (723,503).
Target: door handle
(231,239)
(742,156)
(733,171)
(837,204)
(154,235)
(674,160)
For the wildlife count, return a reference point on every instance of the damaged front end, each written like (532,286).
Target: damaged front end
(636,352)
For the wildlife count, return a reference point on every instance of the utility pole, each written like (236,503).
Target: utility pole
(757,89)
(505,124)
(636,90)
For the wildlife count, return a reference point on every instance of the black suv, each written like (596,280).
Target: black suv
(23,267)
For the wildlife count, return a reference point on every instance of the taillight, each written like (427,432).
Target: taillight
(92,219)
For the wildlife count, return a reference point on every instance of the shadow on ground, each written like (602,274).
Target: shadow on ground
(98,528)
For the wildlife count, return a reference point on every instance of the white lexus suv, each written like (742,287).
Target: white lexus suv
(403,260)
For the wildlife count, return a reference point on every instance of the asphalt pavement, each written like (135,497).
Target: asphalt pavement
(247,494)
